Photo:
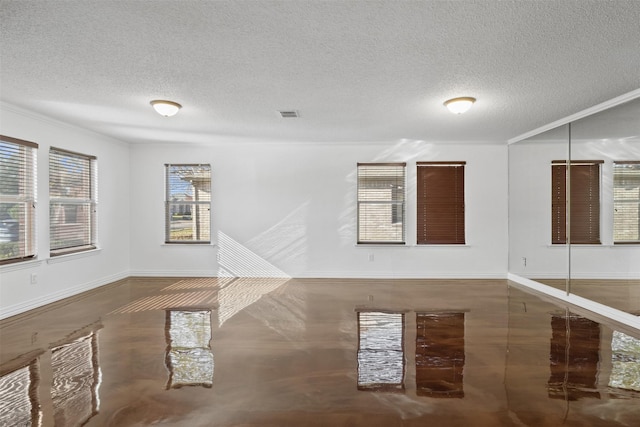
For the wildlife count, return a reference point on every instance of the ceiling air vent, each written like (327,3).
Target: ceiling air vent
(291,114)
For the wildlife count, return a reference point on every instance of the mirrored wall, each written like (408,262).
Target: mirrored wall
(574,207)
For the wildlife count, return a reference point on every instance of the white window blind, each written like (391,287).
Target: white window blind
(17,199)
(188,203)
(626,202)
(73,199)
(381,202)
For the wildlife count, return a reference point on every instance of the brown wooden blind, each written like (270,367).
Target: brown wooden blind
(584,202)
(17,199)
(440,217)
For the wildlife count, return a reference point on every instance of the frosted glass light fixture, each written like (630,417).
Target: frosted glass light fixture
(459,105)
(165,108)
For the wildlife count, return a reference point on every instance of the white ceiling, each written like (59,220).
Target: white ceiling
(355,70)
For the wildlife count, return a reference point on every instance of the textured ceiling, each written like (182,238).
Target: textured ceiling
(355,70)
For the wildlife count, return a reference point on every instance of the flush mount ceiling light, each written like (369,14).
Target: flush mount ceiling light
(459,105)
(165,108)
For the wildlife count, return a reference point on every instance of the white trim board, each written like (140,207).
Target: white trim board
(557,295)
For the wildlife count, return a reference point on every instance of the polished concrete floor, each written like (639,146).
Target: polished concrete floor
(278,352)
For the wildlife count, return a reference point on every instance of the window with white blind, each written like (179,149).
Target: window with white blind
(17,199)
(626,202)
(187,203)
(73,200)
(381,203)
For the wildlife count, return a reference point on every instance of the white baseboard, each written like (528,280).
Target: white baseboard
(173,273)
(15,309)
(397,275)
(575,300)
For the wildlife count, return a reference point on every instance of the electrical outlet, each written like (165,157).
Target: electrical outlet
(371,257)
(34,278)
(524,261)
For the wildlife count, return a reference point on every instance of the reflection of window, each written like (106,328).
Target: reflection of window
(19,403)
(574,358)
(76,380)
(380,351)
(189,357)
(73,197)
(440,188)
(188,203)
(17,199)
(625,373)
(584,204)
(440,354)
(626,202)
(381,195)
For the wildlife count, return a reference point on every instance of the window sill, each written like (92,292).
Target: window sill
(383,245)
(580,245)
(73,256)
(182,245)
(20,265)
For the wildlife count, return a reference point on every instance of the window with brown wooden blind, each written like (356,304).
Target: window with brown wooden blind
(17,199)
(188,203)
(626,202)
(73,201)
(440,203)
(584,203)
(381,203)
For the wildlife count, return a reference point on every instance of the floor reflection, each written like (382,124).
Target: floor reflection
(625,373)
(188,357)
(440,354)
(380,351)
(76,378)
(299,355)
(19,381)
(574,357)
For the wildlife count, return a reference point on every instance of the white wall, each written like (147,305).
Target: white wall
(68,275)
(289,209)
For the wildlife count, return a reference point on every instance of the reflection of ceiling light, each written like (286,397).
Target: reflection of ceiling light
(165,108)
(459,105)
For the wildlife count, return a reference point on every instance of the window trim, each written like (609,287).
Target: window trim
(622,242)
(92,201)
(29,197)
(167,205)
(393,202)
(455,236)
(558,201)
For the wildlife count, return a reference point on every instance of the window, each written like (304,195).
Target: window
(381,196)
(584,205)
(73,198)
(188,204)
(626,202)
(17,199)
(440,217)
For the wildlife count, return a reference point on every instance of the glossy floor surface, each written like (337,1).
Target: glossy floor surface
(277,352)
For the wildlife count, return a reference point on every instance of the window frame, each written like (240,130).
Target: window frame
(26,172)
(57,204)
(393,202)
(168,213)
(635,164)
(590,201)
(451,226)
